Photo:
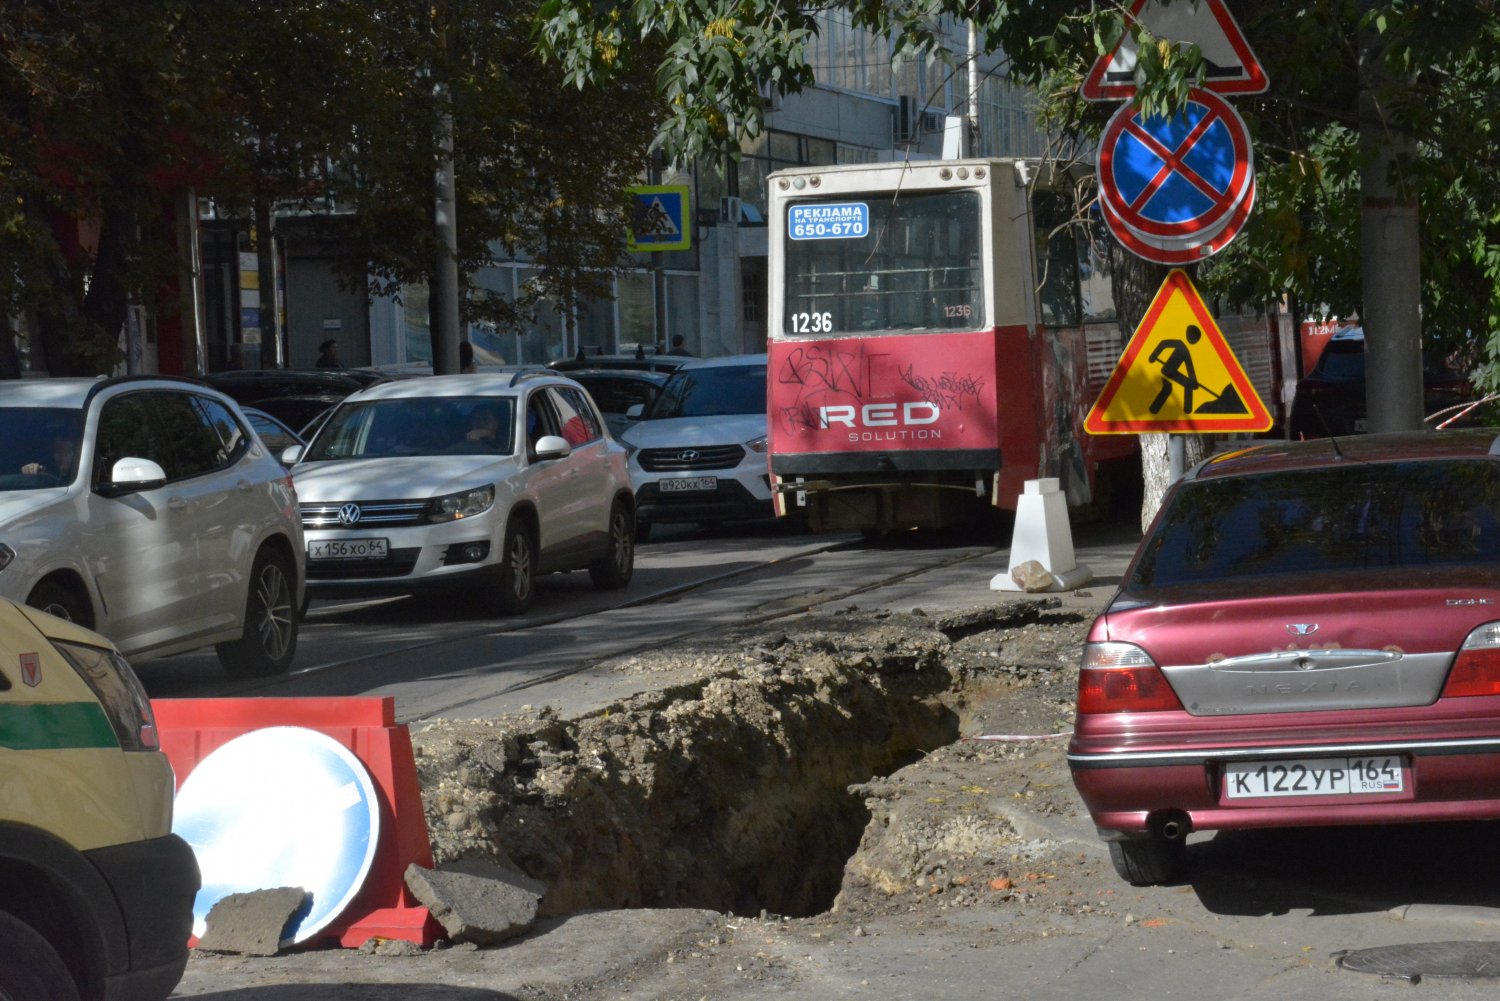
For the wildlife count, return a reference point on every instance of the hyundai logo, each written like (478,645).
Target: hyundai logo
(349,514)
(687,455)
(1302,628)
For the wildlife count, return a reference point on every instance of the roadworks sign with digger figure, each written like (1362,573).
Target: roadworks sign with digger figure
(1177,374)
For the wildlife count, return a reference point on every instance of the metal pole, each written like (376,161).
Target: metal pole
(443,295)
(1176,458)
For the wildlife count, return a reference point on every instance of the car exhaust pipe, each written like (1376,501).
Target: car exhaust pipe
(1173,825)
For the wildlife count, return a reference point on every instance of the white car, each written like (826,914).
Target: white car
(146,509)
(698,453)
(466,482)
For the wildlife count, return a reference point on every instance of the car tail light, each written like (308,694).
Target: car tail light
(1476,669)
(1122,678)
(120,693)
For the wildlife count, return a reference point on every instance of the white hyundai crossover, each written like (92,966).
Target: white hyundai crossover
(146,509)
(698,452)
(466,482)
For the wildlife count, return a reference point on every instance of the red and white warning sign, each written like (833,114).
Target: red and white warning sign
(1232,66)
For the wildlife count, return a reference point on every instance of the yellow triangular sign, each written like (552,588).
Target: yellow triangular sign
(1177,374)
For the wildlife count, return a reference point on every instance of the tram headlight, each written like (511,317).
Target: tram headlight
(758,444)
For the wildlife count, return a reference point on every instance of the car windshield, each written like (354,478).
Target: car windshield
(38,446)
(1346,519)
(713,391)
(445,425)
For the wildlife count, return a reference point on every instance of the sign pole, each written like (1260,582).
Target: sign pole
(1176,457)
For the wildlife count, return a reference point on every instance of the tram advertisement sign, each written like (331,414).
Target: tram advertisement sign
(1177,374)
(891,394)
(837,221)
(1176,189)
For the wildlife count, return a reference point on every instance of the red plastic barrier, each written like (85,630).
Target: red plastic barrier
(192,728)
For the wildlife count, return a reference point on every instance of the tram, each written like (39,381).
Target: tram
(936,337)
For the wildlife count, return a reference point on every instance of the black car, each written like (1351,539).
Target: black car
(639,362)
(251,386)
(1330,400)
(616,390)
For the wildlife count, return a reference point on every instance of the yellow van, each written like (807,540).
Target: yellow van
(96,893)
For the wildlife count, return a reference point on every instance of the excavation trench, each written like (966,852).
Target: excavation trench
(730,790)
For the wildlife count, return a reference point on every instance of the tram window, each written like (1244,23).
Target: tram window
(1096,284)
(1057,260)
(919,266)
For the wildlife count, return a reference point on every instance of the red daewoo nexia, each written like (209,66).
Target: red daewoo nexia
(1309,634)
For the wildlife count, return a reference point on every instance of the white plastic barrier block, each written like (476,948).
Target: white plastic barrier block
(1042,534)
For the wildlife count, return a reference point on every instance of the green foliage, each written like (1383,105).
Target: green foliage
(110,109)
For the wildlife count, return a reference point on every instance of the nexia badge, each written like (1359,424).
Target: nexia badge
(31,669)
(832,221)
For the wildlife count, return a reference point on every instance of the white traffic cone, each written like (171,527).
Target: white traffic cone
(1042,535)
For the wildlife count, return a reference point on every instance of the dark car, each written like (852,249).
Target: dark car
(1330,400)
(273,432)
(1308,635)
(300,412)
(250,387)
(637,362)
(616,390)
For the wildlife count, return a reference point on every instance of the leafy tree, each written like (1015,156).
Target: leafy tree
(108,108)
(1429,70)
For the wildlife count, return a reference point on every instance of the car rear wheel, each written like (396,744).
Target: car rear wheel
(269,640)
(517,570)
(53,598)
(30,969)
(612,571)
(1148,861)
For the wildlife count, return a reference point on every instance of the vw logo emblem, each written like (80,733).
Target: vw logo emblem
(688,455)
(1302,628)
(349,514)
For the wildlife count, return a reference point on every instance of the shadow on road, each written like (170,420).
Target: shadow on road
(358,992)
(1347,870)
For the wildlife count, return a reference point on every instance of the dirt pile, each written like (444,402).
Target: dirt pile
(749,788)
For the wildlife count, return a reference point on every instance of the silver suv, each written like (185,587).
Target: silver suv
(147,509)
(471,483)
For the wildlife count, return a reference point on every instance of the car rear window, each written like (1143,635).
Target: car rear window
(1348,518)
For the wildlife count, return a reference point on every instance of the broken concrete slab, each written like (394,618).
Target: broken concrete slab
(253,923)
(477,901)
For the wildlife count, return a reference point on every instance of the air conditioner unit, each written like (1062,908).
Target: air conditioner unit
(769,99)
(932,121)
(729,210)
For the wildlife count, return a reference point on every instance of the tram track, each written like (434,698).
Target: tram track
(465,648)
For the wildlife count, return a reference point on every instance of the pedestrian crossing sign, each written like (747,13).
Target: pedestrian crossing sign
(1177,374)
(659,218)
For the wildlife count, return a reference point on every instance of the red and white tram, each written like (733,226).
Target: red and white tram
(937,337)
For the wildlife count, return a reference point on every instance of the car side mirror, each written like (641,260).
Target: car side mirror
(291,454)
(131,475)
(635,410)
(551,446)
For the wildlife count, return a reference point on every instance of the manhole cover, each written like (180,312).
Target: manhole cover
(1426,959)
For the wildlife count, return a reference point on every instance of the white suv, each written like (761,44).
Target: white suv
(145,508)
(473,482)
(698,453)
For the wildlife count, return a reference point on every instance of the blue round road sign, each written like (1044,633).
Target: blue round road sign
(1180,178)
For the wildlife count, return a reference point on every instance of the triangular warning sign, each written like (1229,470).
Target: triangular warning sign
(1177,374)
(1232,66)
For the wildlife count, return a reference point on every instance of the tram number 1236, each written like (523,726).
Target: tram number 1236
(812,323)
